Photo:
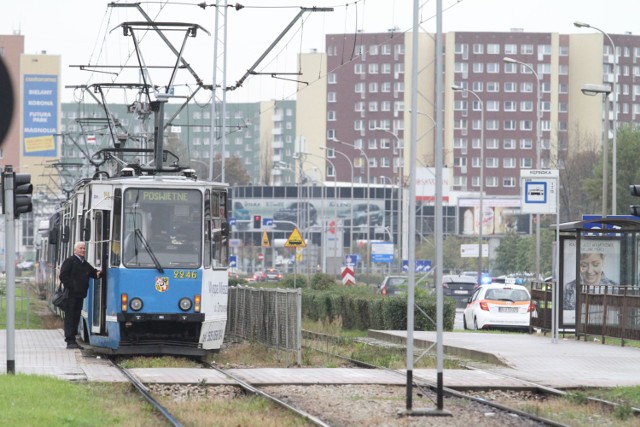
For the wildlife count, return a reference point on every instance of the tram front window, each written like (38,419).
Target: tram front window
(164,226)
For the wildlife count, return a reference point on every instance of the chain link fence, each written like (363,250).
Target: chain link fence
(270,316)
(22,306)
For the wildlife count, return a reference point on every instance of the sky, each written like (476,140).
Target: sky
(82,31)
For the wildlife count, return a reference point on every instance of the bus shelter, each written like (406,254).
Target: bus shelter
(599,280)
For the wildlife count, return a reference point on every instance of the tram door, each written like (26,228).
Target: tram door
(100,238)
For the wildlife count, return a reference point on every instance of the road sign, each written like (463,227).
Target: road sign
(265,240)
(232,221)
(295,240)
(352,260)
(267,222)
(539,191)
(422,265)
(470,250)
(233,261)
(382,252)
(348,276)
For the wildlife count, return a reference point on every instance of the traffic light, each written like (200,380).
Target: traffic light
(22,194)
(635,191)
(257,221)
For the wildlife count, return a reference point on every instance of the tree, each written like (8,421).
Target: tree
(628,173)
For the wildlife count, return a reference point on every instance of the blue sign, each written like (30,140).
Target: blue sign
(535,192)
(233,261)
(598,225)
(422,265)
(382,252)
(232,220)
(352,259)
(267,222)
(40,118)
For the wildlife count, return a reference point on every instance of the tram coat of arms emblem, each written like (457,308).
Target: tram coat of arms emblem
(162,284)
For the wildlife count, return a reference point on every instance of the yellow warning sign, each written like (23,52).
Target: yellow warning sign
(265,240)
(295,240)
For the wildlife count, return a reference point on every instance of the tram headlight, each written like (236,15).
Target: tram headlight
(185,304)
(136,304)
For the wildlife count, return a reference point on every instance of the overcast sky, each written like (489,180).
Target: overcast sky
(79,30)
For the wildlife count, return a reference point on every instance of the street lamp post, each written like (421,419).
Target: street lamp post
(538,147)
(350,165)
(481,214)
(368,192)
(605,90)
(614,102)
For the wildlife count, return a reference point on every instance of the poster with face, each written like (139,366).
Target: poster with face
(599,264)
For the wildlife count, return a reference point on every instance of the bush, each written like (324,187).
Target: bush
(359,309)
(322,281)
(294,281)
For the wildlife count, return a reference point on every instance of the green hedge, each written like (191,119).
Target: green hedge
(360,310)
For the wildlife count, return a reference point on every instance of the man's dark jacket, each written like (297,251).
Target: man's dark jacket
(75,274)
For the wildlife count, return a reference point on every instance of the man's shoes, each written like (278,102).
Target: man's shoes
(71,345)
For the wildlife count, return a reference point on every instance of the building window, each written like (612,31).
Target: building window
(510,106)
(332,78)
(493,67)
(386,49)
(477,86)
(478,67)
(373,49)
(526,144)
(509,144)
(526,49)
(509,125)
(493,87)
(493,143)
(373,68)
(386,68)
(526,106)
(373,106)
(493,105)
(359,88)
(508,181)
(358,68)
(526,87)
(332,50)
(493,124)
(331,116)
(526,125)
(509,163)
(526,163)
(373,87)
(510,49)
(510,68)
(478,48)
(331,97)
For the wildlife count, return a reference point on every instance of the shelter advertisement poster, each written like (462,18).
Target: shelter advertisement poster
(599,265)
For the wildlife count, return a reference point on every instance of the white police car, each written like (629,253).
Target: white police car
(499,306)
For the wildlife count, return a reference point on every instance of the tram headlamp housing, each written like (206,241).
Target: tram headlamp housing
(136,304)
(124,298)
(185,304)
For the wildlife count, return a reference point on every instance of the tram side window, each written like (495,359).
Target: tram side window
(115,236)
(219,232)
(207,229)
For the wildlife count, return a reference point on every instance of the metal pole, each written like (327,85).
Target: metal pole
(614,101)
(10,244)
(605,154)
(224,96)
(212,131)
(481,213)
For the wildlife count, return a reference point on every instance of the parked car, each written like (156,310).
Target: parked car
(302,213)
(272,275)
(499,306)
(393,285)
(459,288)
(362,211)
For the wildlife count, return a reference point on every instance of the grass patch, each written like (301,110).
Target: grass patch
(31,400)
(156,362)
(225,412)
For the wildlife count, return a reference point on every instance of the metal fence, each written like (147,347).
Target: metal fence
(605,310)
(270,316)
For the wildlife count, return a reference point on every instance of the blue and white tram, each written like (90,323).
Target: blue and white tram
(162,244)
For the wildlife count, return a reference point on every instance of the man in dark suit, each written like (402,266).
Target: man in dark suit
(74,275)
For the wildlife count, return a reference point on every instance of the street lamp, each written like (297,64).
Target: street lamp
(350,165)
(368,190)
(614,102)
(538,148)
(605,90)
(400,146)
(481,215)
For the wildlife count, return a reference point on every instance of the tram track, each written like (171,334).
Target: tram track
(533,387)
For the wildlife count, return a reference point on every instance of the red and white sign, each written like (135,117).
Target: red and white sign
(348,276)
(426,184)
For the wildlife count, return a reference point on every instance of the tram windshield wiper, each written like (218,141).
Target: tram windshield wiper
(140,236)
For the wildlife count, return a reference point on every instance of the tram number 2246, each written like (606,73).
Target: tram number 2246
(182,274)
